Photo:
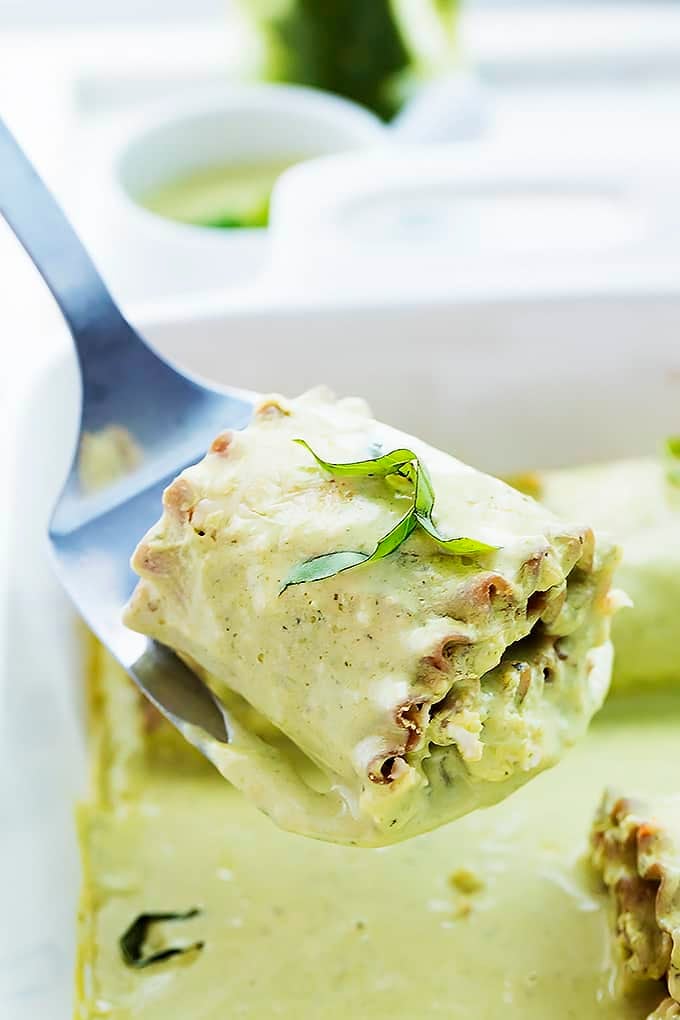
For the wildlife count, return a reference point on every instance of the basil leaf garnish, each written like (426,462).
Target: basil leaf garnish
(377,467)
(424,508)
(404,471)
(132,940)
(330,564)
(456,546)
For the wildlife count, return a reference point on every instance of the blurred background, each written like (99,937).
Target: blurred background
(485,146)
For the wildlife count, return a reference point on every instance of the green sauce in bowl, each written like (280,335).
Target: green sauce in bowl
(229,195)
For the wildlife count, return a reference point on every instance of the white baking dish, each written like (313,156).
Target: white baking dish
(505,383)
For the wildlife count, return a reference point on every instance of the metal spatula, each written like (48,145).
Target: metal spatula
(171,418)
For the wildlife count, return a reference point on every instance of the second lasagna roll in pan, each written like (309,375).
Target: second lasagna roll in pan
(396,695)
(635,846)
(635,501)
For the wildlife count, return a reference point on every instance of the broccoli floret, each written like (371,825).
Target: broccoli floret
(357,48)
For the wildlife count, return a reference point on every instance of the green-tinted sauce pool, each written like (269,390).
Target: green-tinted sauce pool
(229,195)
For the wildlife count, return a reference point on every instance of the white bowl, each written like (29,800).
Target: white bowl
(444,219)
(144,255)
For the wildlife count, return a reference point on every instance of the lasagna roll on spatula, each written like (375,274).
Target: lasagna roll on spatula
(396,637)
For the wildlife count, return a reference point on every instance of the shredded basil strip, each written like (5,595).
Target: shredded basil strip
(423,510)
(456,546)
(132,940)
(377,467)
(672,456)
(403,468)
(330,564)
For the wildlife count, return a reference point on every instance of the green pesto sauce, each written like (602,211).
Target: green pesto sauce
(225,196)
(303,930)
